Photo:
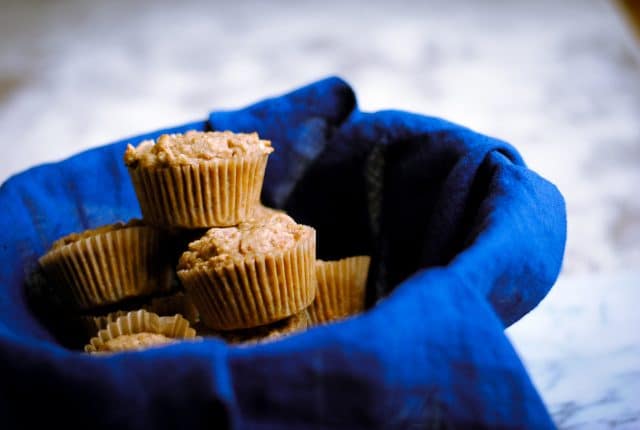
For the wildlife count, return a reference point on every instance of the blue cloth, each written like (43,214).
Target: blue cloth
(465,240)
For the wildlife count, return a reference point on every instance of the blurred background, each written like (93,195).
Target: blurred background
(559,80)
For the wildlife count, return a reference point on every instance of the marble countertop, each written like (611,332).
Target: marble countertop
(581,347)
(559,80)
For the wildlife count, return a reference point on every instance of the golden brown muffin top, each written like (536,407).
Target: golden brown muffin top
(194,147)
(127,342)
(270,234)
(74,237)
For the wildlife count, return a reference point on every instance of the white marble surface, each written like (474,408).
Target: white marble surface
(560,80)
(581,346)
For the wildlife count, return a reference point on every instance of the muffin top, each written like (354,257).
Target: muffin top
(194,147)
(126,342)
(74,237)
(261,212)
(270,234)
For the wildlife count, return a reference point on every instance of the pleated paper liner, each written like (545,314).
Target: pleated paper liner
(341,288)
(266,333)
(257,291)
(139,330)
(166,305)
(109,267)
(214,193)
(94,323)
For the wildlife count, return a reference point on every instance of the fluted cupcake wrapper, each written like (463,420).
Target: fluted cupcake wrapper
(256,291)
(109,267)
(341,288)
(141,321)
(177,303)
(215,193)
(94,323)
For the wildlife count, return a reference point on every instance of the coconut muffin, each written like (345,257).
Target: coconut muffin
(109,264)
(341,288)
(250,275)
(198,179)
(140,330)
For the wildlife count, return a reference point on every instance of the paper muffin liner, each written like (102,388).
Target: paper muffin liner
(111,266)
(341,288)
(94,323)
(295,323)
(215,193)
(141,321)
(256,291)
(178,303)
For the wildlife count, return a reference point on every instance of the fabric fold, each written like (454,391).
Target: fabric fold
(464,240)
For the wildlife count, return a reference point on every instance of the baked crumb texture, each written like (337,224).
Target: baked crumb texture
(261,212)
(341,288)
(251,275)
(275,232)
(198,179)
(109,264)
(195,147)
(136,341)
(139,330)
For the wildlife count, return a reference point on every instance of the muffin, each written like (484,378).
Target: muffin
(164,305)
(109,264)
(261,212)
(140,330)
(198,179)
(341,288)
(270,332)
(251,275)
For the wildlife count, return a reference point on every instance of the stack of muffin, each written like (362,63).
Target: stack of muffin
(247,272)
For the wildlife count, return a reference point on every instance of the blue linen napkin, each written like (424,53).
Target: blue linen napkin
(465,240)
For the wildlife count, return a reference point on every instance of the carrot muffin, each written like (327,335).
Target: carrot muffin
(251,275)
(295,323)
(198,179)
(108,264)
(341,288)
(140,330)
